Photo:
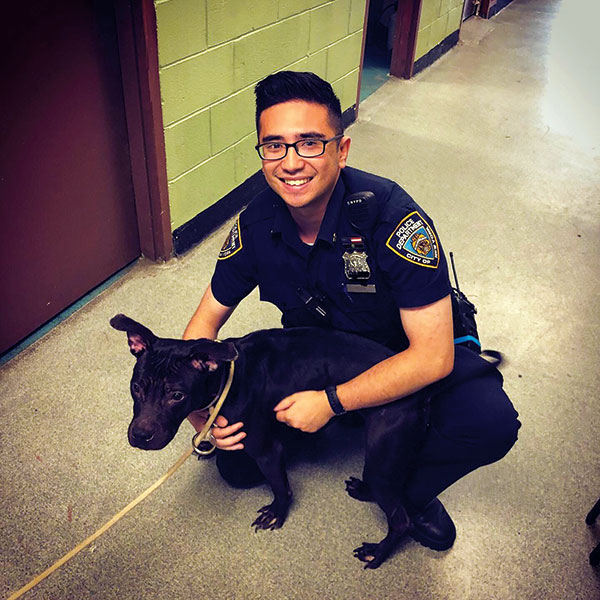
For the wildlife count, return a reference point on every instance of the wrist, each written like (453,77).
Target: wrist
(334,402)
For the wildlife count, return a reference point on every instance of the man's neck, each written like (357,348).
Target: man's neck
(308,220)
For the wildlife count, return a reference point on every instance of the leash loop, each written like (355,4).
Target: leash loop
(202,443)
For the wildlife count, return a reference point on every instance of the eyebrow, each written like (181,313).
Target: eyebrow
(303,136)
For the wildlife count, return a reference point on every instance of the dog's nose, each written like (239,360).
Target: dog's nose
(142,434)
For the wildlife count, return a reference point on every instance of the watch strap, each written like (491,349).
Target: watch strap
(334,401)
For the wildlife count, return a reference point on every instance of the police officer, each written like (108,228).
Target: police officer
(336,247)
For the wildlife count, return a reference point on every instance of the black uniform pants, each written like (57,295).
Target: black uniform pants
(471,425)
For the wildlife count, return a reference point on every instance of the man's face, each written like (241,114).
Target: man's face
(302,182)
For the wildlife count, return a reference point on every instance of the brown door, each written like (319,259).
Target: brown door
(67,213)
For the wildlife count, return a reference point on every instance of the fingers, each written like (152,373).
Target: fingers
(228,437)
(223,432)
(282,416)
(284,404)
(221,421)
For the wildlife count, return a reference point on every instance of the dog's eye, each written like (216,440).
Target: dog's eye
(177,396)
(136,388)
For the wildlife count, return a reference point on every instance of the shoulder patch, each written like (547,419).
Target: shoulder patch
(415,241)
(233,243)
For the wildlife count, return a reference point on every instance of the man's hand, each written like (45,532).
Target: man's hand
(198,419)
(307,411)
(224,435)
(228,437)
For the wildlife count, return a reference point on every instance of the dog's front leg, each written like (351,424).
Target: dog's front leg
(271,463)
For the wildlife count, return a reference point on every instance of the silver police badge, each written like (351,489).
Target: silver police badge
(356,265)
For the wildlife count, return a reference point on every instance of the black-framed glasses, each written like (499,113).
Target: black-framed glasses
(308,148)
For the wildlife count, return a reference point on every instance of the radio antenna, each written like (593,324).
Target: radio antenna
(454,271)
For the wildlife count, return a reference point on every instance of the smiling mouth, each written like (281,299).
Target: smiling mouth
(296,182)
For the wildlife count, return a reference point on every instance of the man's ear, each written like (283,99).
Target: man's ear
(140,338)
(343,150)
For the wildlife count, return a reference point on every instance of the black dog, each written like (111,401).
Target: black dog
(172,378)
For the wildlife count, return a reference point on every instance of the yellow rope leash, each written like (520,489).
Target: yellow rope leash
(196,440)
(59,563)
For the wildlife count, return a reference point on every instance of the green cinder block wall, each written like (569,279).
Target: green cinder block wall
(212,53)
(439,18)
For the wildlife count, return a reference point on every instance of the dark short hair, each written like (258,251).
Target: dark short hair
(287,86)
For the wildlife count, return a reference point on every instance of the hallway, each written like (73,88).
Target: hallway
(499,141)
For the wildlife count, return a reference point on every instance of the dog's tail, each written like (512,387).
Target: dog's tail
(469,365)
(494,357)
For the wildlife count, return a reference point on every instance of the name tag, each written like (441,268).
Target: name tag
(357,288)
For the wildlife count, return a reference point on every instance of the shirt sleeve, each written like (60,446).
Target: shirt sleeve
(235,273)
(411,256)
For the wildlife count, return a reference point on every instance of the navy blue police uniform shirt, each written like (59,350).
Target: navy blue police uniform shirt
(405,258)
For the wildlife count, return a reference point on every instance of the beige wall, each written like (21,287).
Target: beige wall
(439,18)
(212,53)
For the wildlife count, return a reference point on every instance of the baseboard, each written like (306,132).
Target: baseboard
(437,52)
(349,116)
(194,231)
(498,7)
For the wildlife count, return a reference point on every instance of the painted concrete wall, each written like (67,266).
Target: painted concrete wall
(439,18)
(212,53)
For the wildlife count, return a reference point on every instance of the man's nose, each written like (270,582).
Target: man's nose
(292,161)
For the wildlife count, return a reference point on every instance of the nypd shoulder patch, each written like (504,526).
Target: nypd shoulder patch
(233,243)
(415,241)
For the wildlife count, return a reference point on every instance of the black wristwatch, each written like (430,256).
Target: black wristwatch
(334,401)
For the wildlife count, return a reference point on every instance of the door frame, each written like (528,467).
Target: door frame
(405,42)
(138,49)
(405,38)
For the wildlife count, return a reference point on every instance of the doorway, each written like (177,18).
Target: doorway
(470,8)
(390,42)
(379,41)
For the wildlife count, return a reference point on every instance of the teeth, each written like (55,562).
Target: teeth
(296,181)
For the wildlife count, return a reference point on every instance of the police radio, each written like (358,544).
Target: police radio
(361,209)
(463,317)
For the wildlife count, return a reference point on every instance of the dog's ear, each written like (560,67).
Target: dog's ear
(204,365)
(206,354)
(140,338)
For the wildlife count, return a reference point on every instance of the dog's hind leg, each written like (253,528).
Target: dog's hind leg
(395,434)
(388,498)
(374,554)
(271,463)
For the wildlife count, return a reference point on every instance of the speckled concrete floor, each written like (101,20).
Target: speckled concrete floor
(499,142)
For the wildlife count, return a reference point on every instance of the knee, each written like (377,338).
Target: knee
(479,417)
(498,429)
(502,436)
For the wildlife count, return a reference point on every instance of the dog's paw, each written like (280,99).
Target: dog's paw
(371,554)
(267,519)
(374,555)
(358,490)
